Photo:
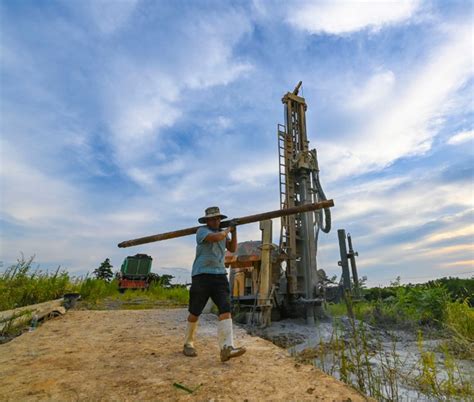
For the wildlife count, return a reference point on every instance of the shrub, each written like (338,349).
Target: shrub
(21,286)
(460,318)
(425,304)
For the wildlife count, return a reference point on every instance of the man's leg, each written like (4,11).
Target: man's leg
(198,297)
(191,328)
(221,297)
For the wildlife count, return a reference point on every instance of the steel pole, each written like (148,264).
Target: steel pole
(238,221)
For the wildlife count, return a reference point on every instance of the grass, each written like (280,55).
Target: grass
(102,296)
(460,318)
(359,356)
(429,308)
(21,285)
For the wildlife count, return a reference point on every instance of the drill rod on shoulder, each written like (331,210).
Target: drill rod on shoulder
(238,221)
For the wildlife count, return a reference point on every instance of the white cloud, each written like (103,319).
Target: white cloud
(404,122)
(143,96)
(59,222)
(57,210)
(342,17)
(255,172)
(398,223)
(461,138)
(138,100)
(110,15)
(467,230)
(28,195)
(374,92)
(406,201)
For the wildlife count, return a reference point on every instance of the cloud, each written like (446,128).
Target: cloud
(133,127)
(143,94)
(374,92)
(28,195)
(343,17)
(462,263)
(108,15)
(411,222)
(461,138)
(409,116)
(255,173)
(467,230)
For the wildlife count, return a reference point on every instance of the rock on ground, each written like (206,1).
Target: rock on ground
(135,355)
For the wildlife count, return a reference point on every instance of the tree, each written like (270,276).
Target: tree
(104,271)
(162,280)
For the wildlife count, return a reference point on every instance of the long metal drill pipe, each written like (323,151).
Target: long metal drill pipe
(238,221)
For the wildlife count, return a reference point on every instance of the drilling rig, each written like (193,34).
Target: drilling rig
(299,184)
(287,282)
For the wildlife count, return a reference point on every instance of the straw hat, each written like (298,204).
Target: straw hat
(211,212)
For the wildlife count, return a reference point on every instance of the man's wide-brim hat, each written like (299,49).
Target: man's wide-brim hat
(211,212)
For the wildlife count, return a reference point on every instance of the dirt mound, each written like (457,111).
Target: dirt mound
(136,355)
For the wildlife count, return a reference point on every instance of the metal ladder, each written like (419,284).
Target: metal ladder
(283,182)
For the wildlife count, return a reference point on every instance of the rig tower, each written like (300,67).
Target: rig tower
(299,184)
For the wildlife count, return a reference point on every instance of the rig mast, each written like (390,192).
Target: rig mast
(299,185)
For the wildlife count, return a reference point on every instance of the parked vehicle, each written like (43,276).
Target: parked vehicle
(135,272)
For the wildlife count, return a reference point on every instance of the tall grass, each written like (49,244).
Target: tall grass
(102,295)
(178,295)
(459,323)
(409,307)
(20,285)
(460,318)
(361,357)
(94,290)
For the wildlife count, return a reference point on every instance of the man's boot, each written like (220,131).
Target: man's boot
(226,340)
(188,348)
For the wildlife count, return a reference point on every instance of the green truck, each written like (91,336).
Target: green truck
(135,272)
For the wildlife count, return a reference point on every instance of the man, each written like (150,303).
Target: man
(209,279)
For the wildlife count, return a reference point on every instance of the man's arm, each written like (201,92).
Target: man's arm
(231,244)
(218,236)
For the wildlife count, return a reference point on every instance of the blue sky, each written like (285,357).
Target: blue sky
(121,119)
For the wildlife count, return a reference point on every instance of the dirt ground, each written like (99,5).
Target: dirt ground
(135,355)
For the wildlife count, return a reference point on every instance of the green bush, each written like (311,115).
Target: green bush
(460,318)
(377,293)
(458,289)
(21,286)
(411,305)
(425,304)
(179,295)
(96,289)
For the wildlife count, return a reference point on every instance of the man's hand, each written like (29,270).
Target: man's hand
(232,224)
(231,244)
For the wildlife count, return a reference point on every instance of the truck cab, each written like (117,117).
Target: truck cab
(135,272)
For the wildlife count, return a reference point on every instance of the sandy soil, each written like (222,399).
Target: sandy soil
(136,355)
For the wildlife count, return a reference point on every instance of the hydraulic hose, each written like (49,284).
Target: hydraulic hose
(326,228)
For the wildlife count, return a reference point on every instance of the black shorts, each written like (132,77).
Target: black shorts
(215,286)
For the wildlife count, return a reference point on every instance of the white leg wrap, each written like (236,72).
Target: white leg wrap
(225,334)
(191,328)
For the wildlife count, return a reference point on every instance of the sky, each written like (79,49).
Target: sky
(126,118)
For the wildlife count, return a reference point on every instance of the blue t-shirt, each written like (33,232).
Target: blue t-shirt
(209,256)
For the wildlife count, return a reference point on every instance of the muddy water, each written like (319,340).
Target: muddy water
(397,350)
